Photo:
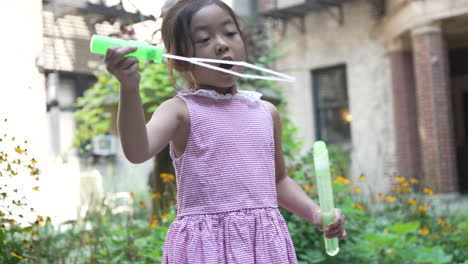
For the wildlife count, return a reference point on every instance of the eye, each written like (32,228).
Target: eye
(230,34)
(203,40)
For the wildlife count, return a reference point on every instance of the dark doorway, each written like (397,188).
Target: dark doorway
(459,80)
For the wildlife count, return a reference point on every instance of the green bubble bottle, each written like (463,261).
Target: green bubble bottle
(325,191)
(100,44)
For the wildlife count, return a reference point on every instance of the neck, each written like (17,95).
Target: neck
(221,90)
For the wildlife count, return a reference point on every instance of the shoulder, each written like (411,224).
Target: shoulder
(175,106)
(273,110)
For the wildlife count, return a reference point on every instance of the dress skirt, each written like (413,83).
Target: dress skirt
(247,236)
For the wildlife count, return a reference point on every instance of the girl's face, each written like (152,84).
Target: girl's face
(215,36)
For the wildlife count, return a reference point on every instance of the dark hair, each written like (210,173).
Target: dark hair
(176,33)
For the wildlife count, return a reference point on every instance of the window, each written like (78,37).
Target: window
(67,87)
(331,105)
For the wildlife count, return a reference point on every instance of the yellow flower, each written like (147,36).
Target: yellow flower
(289,172)
(445,233)
(359,206)
(405,184)
(156,195)
(19,150)
(16,256)
(400,179)
(341,179)
(132,195)
(33,161)
(380,196)
(428,191)
(167,177)
(172,202)
(405,189)
(166,216)
(5,120)
(413,201)
(422,209)
(357,189)
(440,220)
(446,225)
(436,236)
(391,199)
(154,224)
(307,187)
(414,181)
(424,231)
(362,178)
(36,188)
(142,203)
(396,188)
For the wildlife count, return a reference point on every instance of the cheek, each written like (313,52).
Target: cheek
(242,52)
(200,72)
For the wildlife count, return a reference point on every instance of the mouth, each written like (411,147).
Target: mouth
(226,66)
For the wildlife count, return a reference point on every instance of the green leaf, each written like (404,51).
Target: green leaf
(433,255)
(404,228)
(381,240)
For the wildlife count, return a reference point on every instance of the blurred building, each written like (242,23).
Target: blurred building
(46,45)
(388,79)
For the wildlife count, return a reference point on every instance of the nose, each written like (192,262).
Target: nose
(221,46)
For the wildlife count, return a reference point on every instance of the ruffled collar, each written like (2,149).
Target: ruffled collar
(251,96)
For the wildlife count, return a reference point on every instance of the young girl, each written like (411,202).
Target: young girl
(225,144)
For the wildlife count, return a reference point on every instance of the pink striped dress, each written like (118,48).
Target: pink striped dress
(227,210)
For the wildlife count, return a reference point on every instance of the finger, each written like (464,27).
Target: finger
(131,69)
(338,224)
(343,235)
(336,233)
(119,54)
(127,63)
(338,221)
(110,52)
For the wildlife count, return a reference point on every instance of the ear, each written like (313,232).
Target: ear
(180,66)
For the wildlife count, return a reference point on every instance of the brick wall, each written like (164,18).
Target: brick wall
(66,42)
(435,122)
(407,140)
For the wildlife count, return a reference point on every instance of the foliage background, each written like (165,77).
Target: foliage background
(402,226)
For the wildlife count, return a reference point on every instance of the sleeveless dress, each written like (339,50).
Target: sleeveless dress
(227,210)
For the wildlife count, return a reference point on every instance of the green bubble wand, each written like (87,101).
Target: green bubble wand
(325,191)
(100,44)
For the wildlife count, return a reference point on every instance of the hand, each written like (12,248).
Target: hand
(335,228)
(125,69)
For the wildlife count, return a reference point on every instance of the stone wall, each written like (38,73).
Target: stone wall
(358,44)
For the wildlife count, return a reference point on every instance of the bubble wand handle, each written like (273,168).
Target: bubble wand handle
(100,44)
(325,191)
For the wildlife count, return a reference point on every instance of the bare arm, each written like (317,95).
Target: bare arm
(140,141)
(132,128)
(291,196)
